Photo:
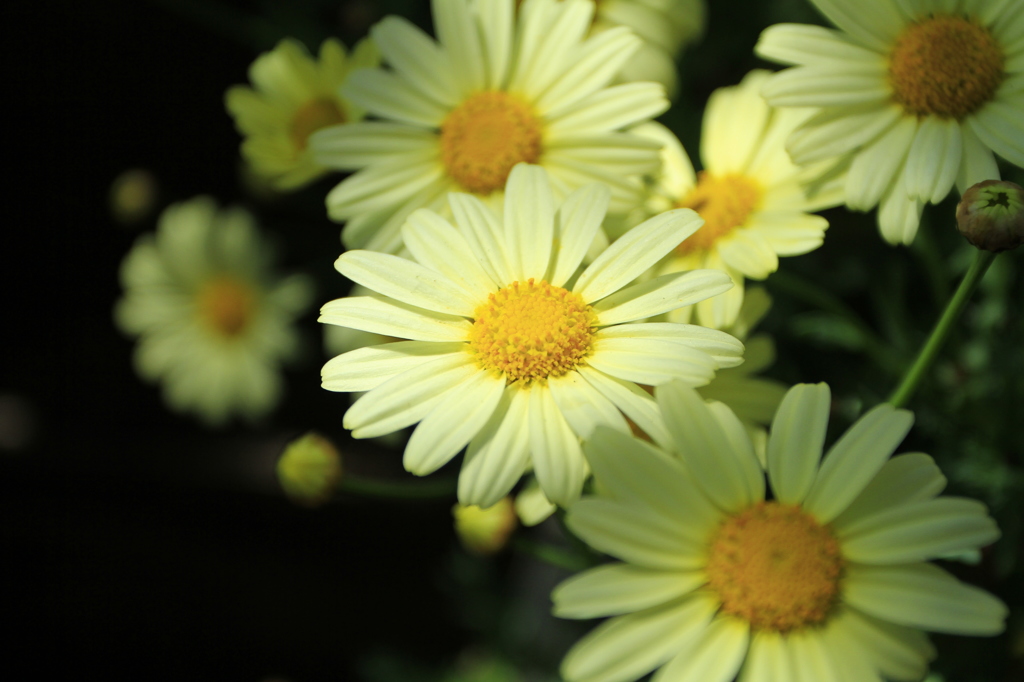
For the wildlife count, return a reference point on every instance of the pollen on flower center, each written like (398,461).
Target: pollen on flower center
(945,66)
(485,136)
(311,117)
(776,567)
(226,306)
(724,202)
(532,330)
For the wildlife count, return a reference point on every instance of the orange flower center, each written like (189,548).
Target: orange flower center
(724,202)
(776,567)
(226,306)
(485,136)
(311,117)
(532,330)
(945,66)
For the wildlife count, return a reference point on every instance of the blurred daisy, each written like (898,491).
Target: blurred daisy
(753,199)
(294,96)
(917,94)
(494,90)
(503,353)
(827,579)
(212,322)
(666,27)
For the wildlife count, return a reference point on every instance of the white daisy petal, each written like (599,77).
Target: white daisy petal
(457,32)
(768,659)
(804,44)
(839,130)
(739,442)
(789,233)
(635,252)
(627,192)
(403,280)
(796,441)
(734,119)
(905,478)
(408,397)
(900,653)
(596,62)
(529,222)
(583,407)
(557,457)
(998,125)
(366,368)
(496,21)
(724,348)
(452,423)
(610,109)
(381,186)
(436,244)
(617,152)
(898,214)
(387,96)
(923,596)
(748,252)
(499,453)
(715,655)
(732,480)
(978,162)
(618,588)
(661,295)
(849,661)
(724,309)
(483,233)
(651,361)
(827,85)
(546,35)
(634,402)
(934,159)
(875,23)
(873,169)
(918,531)
(576,224)
(811,658)
(626,647)
(393,318)
(855,459)
(420,62)
(350,147)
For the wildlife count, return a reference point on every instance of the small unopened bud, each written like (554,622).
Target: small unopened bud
(991,215)
(133,196)
(309,470)
(485,531)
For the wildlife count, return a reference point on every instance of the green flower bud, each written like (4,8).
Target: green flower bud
(309,470)
(991,215)
(485,531)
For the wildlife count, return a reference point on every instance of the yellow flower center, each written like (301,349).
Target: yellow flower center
(485,136)
(724,202)
(532,330)
(775,567)
(311,117)
(945,66)
(226,306)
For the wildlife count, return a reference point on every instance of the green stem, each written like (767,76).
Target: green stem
(956,305)
(438,489)
(549,554)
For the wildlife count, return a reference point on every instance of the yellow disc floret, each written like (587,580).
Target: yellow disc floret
(532,330)
(311,117)
(776,567)
(945,66)
(724,202)
(226,306)
(485,136)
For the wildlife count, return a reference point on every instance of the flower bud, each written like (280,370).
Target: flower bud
(991,215)
(309,470)
(485,531)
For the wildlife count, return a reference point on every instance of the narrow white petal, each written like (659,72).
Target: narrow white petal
(721,310)
(557,457)
(739,442)
(496,21)
(923,596)
(977,164)
(576,224)
(905,478)
(452,423)
(408,397)
(483,234)
(724,348)
(734,122)
(768,659)
(459,35)
(393,318)
(811,658)
(499,453)
(789,233)
(828,85)
(420,61)
(661,295)
(635,252)
(436,244)
(614,589)
(595,63)
(839,130)
(356,145)
(651,361)
(583,406)
(934,159)
(874,168)
(898,214)
(610,108)
(529,221)
(796,441)
(874,23)
(998,125)
(386,95)
(714,656)
(805,44)
(634,402)
(732,480)
(366,368)
(621,153)
(546,34)
(406,281)
(899,652)
(748,252)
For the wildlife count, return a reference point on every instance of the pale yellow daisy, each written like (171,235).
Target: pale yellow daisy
(293,96)
(495,89)
(213,322)
(509,351)
(917,94)
(825,580)
(755,203)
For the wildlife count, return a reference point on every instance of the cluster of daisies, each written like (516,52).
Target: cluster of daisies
(550,288)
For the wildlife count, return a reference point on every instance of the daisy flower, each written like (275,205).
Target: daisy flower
(825,579)
(666,26)
(916,94)
(753,199)
(213,323)
(497,88)
(508,350)
(294,96)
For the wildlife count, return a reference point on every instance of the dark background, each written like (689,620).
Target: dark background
(141,545)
